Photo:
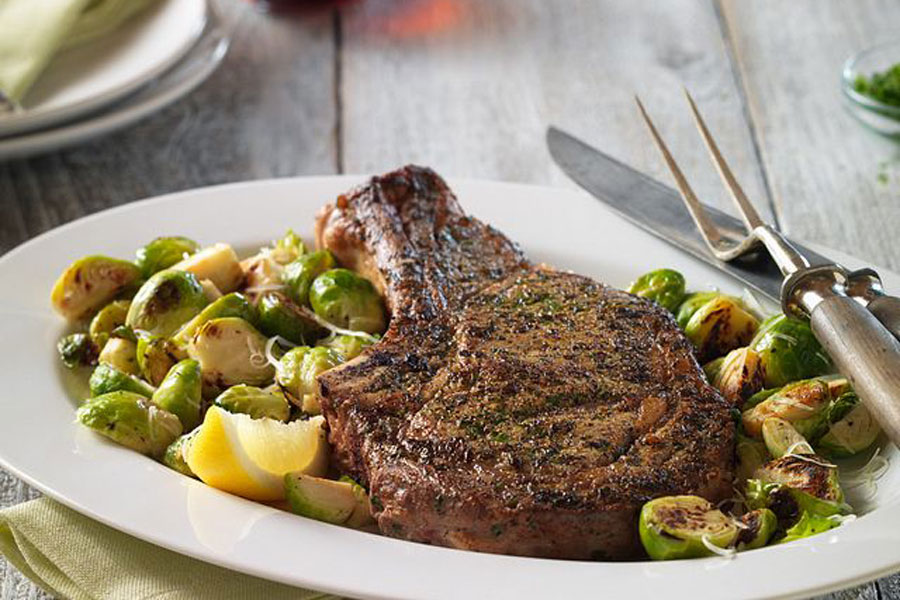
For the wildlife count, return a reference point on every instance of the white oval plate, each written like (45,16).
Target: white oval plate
(40,442)
(88,77)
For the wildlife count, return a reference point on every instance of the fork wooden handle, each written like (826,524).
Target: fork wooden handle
(887,310)
(865,352)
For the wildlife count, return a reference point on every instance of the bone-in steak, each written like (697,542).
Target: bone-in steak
(510,407)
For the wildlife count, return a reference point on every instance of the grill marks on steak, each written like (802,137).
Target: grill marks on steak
(509,408)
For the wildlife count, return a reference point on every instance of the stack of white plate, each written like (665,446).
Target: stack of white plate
(151,61)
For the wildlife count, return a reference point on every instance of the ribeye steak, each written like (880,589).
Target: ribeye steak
(510,407)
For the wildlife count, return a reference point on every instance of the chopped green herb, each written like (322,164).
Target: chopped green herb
(883,87)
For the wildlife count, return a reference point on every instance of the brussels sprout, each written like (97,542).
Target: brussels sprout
(261,276)
(684,527)
(229,305)
(230,351)
(692,304)
(788,351)
(713,368)
(104,322)
(166,302)
(279,316)
(163,252)
(663,286)
(174,455)
(124,332)
(217,263)
(107,378)
(297,371)
(348,300)
(77,350)
(180,393)
(740,375)
(120,353)
(155,356)
(808,525)
(326,500)
(758,397)
(811,483)
(288,249)
(348,346)
(131,420)
(719,326)
(255,402)
(300,274)
(90,283)
(803,403)
(751,454)
(757,528)
(851,428)
(781,438)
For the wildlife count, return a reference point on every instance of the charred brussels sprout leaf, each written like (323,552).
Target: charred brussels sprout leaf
(163,252)
(107,378)
(279,316)
(229,305)
(230,351)
(165,302)
(740,375)
(255,402)
(719,326)
(663,286)
(808,525)
(180,393)
(297,371)
(219,264)
(348,346)
(757,528)
(174,457)
(692,304)
(155,356)
(810,480)
(788,351)
(782,438)
(348,300)
(77,350)
(300,274)
(104,322)
(90,283)
(131,420)
(802,403)
(120,353)
(851,428)
(684,527)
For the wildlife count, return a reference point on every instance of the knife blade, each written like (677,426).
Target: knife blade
(658,209)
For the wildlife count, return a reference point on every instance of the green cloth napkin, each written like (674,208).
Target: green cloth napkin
(72,556)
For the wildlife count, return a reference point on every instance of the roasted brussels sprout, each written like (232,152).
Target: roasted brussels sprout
(288,249)
(90,283)
(120,353)
(217,263)
(278,315)
(348,346)
(692,304)
(131,420)
(155,356)
(255,402)
(297,371)
(758,397)
(338,502)
(782,438)
(719,326)
(751,454)
(230,351)
(808,525)
(663,286)
(165,302)
(803,403)
(811,483)
(739,376)
(851,428)
(175,452)
(229,305)
(788,351)
(300,274)
(180,393)
(77,350)
(107,378)
(104,322)
(756,528)
(163,252)
(684,527)
(348,300)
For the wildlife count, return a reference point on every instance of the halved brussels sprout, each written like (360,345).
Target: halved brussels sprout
(279,316)
(77,350)
(229,305)
(165,302)
(808,525)
(107,378)
(230,351)
(163,252)
(719,326)
(131,420)
(155,356)
(811,482)
(348,300)
(788,351)
(782,438)
(288,249)
(89,283)
(751,454)
(348,346)
(255,402)
(218,263)
(803,403)
(684,527)
(300,274)
(692,304)
(120,353)
(174,455)
(326,500)
(851,428)
(663,286)
(104,322)
(180,393)
(739,376)
(757,528)
(758,397)
(297,372)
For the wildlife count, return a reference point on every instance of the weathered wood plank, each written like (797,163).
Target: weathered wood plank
(474,97)
(822,165)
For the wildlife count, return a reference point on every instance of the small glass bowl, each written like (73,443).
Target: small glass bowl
(883,118)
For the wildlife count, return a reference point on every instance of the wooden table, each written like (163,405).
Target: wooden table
(468,87)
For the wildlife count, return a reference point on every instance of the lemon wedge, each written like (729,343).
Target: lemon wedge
(249,457)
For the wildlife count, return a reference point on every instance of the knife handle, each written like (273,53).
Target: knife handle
(887,310)
(864,352)
(864,285)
